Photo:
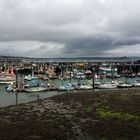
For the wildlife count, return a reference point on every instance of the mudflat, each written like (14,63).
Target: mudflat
(96,115)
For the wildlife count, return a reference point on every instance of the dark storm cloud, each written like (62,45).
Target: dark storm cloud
(126,42)
(88,46)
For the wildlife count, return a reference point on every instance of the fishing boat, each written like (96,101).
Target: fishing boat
(6,82)
(124,85)
(7,74)
(80,75)
(35,89)
(29,78)
(96,83)
(107,86)
(85,87)
(66,87)
(7,78)
(136,83)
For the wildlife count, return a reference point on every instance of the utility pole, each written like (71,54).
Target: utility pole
(37,67)
(93,80)
(16,86)
(62,74)
(70,72)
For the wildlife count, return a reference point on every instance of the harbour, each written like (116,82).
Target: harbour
(69,70)
(8,98)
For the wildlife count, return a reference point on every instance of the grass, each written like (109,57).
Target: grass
(103,113)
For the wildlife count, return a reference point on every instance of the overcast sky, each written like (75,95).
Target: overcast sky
(68,28)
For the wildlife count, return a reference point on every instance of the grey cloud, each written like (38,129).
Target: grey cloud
(88,46)
(126,42)
(43,47)
(86,27)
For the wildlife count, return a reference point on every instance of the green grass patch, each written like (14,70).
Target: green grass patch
(103,113)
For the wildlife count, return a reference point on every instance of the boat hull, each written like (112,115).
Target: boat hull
(66,87)
(107,86)
(125,86)
(35,89)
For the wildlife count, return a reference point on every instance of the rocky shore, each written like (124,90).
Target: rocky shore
(104,115)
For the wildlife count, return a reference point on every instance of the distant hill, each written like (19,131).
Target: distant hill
(74,59)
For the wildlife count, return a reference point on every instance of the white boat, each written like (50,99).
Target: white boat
(66,87)
(4,79)
(96,76)
(107,86)
(29,78)
(124,85)
(136,83)
(80,75)
(6,82)
(35,89)
(85,87)
(96,83)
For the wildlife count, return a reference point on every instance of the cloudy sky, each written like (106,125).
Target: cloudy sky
(68,28)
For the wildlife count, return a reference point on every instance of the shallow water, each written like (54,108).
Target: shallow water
(9,98)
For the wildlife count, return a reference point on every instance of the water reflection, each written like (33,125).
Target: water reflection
(9,98)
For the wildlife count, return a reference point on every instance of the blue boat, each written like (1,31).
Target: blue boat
(66,87)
